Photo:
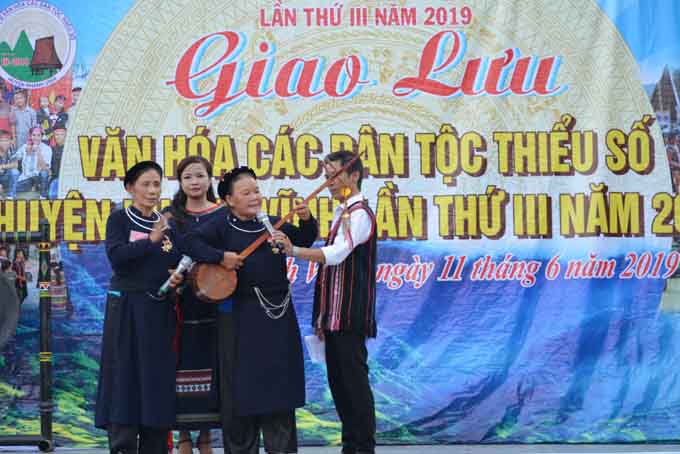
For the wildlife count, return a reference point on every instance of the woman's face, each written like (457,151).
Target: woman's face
(195,181)
(146,190)
(245,200)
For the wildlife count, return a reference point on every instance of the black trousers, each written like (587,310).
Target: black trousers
(225,358)
(278,429)
(132,439)
(346,363)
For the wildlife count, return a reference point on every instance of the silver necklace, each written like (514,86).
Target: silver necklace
(244,230)
(269,307)
(137,219)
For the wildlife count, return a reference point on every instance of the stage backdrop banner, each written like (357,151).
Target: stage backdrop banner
(522,159)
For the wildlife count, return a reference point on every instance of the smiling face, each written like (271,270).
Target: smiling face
(195,181)
(245,199)
(145,191)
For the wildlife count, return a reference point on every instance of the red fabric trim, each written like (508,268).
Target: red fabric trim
(205,211)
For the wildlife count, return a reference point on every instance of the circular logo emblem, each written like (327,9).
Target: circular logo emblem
(37,44)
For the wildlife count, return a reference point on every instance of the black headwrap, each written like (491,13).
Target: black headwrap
(227,184)
(136,170)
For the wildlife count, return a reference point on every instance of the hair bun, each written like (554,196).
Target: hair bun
(226,184)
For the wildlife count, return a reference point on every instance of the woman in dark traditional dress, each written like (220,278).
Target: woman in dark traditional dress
(268,377)
(136,391)
(198,394)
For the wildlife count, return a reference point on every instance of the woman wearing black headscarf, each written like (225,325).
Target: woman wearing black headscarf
(136,391)
(268,381)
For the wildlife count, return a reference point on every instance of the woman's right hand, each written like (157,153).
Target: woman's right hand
(156,233)
(231,260)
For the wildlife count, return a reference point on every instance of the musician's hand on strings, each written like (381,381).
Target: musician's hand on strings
(280,238)
(302,210)
(231,260)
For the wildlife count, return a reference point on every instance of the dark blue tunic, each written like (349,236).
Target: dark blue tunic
(198,393)
(137,368)
(269,368)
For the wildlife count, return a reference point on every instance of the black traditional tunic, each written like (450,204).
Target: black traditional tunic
(198,404)
(137,368)
(269,367)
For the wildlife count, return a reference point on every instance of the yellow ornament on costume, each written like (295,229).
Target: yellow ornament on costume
(166,245)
